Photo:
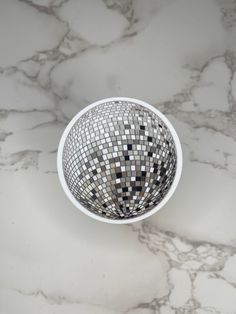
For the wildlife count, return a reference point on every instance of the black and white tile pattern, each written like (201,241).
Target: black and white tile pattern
(119,159)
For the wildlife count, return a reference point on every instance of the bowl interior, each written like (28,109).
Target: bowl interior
(118,159)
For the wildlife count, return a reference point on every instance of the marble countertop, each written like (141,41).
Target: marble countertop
(56,57)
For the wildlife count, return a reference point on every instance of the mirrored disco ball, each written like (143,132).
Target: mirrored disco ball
(119,159)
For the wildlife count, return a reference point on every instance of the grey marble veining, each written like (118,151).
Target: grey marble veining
(58,56)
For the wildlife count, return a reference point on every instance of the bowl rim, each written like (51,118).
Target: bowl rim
(173,186)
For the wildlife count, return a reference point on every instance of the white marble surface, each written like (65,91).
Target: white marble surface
(56,57)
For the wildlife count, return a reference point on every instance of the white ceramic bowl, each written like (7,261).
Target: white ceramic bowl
(168,194)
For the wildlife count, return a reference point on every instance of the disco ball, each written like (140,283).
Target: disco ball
(119,160)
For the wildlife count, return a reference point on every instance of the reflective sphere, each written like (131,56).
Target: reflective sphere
(119,159)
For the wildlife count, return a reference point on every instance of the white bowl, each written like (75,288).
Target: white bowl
(168,194)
